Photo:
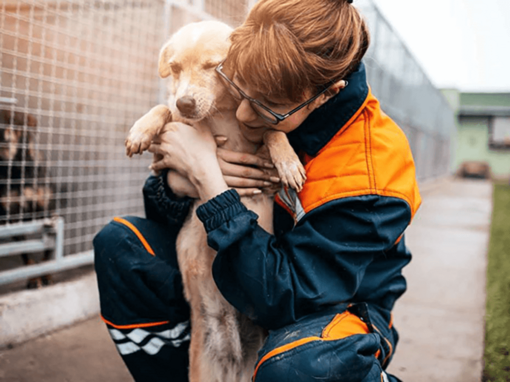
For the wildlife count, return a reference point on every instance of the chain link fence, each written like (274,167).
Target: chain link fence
(76,74)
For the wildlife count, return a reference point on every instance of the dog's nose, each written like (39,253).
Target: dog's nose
(186,104)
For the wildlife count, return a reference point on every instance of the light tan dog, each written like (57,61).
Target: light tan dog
(224,343)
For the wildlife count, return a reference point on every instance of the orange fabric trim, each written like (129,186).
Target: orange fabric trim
(134,326)
(389,345)
(283,349)
(137,233)
(343,325)
(391,321)
(370,155)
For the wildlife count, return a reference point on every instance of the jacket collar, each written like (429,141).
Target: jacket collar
(323,123)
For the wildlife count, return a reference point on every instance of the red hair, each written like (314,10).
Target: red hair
(286,47)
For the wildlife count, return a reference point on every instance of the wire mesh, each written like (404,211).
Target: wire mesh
(81,73)
(232,12)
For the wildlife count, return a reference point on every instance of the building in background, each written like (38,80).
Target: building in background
(483,134)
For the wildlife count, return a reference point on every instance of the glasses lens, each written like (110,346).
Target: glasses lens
(264,113)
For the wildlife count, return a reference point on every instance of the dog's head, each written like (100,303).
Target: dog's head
(13,138)
(189,59)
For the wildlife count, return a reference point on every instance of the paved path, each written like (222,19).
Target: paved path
(81,353)
(440,318)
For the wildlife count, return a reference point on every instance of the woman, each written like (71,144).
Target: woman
(325,283)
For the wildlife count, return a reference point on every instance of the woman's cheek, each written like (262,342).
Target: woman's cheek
(292,122)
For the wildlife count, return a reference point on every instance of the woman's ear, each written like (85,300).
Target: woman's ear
(336,88)
(332,91)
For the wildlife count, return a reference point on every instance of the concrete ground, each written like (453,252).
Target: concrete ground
(440,318)
(80,353)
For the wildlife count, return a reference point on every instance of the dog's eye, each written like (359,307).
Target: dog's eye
(176,67)
(210,65)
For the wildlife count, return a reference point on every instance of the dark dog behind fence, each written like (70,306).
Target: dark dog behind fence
(25,192)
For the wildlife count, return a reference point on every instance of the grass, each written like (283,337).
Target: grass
(497,332)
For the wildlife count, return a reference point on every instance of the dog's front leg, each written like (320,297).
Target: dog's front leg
(291,171)
(146,128)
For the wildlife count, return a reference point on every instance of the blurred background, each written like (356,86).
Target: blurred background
(76,74)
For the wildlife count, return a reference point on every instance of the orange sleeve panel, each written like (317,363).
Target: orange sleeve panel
(370,155)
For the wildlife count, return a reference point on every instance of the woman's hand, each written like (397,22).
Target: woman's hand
(249,174)
(193,154)
(184,148)
(191,151)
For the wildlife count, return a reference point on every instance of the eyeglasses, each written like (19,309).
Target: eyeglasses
(265,112)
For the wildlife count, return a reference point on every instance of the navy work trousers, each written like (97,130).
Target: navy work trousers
(147,317)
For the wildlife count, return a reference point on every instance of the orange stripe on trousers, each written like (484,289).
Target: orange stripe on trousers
(137,233)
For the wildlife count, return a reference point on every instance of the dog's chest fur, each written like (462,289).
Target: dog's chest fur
(230,341)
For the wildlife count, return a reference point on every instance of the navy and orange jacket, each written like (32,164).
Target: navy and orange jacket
(338,240)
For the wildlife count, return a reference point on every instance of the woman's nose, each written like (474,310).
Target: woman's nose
(245,112)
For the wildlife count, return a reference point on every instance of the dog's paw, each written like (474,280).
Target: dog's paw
(137,142)
(146,128)
(292,173)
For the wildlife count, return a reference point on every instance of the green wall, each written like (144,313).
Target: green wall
(473,145)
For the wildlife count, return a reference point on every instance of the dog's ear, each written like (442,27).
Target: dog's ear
(164,60)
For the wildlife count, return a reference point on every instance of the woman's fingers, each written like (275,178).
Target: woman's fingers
(248,191)
(236,182)
(155,148)
(159,165)
(220,140)
(273,189)
(240,171)
(243,158)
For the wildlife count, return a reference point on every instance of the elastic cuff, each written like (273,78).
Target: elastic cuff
(176,208)
(172,207)
(220,209)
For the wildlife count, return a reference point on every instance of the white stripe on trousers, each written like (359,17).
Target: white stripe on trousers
(154,345)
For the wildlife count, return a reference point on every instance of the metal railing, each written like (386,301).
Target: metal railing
(34,237)
(84,71)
